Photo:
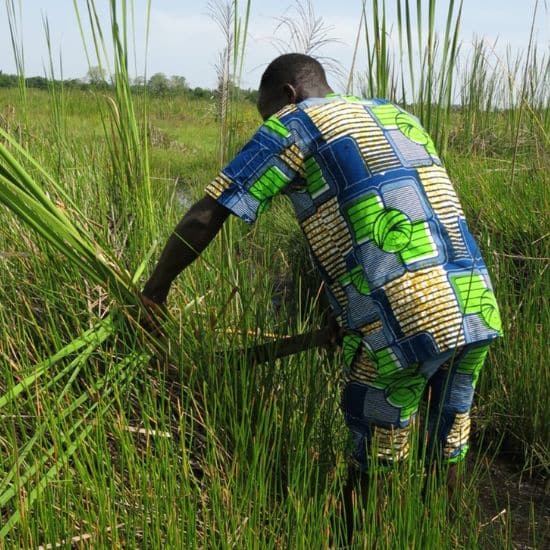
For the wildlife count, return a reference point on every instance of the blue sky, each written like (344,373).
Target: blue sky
(184,40)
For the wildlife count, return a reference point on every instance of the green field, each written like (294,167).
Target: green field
(123,441)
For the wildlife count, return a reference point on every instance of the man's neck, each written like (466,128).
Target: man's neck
(317,91)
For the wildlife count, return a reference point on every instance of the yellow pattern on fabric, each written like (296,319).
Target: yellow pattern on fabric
(370,328)
(425,301)
(286,110)
(293,158)
(218,185)
(444,203)
(330,240)
(391,444)
(363,369)
(329,237)
(338,119)
(459,434)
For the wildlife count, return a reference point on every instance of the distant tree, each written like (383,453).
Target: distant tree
(38,82)
(96,76)
(7,80)
(139,81)
(74,83)
(177,84)
(158,84)
(202,93)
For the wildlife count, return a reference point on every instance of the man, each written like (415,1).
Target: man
(403,274)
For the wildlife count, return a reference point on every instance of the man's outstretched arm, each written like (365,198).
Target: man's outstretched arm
(196,229)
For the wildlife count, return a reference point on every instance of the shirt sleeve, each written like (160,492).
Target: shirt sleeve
(263,168)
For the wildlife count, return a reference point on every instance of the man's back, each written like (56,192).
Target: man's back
(382,219)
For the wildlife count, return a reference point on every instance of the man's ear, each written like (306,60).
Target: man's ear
(291,93)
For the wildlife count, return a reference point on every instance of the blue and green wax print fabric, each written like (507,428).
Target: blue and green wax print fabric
(383,221)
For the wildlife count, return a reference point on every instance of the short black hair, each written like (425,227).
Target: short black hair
(292,68)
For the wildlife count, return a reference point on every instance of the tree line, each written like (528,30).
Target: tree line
(96,78)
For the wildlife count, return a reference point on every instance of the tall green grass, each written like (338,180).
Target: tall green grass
(419,74)
(435,79)
(111,439)
(128,144)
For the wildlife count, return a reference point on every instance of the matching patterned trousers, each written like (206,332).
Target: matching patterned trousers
(380,404)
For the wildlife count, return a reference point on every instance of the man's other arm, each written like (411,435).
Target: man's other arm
(191,236)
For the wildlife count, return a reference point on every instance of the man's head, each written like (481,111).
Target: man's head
(290,78)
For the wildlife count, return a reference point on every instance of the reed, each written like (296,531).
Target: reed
(232,20)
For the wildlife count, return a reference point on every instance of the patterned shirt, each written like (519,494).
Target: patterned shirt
(384,224)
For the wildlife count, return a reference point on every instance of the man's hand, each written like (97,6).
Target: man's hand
(333,333)
(152,315)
